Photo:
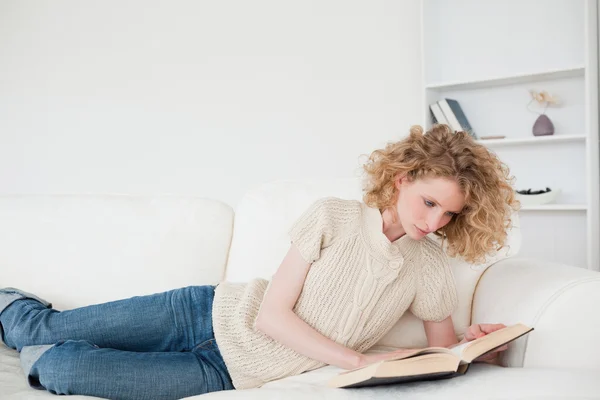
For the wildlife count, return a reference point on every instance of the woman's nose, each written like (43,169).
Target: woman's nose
(434,222)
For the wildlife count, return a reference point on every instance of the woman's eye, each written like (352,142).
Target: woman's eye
(428,203)
(450,213)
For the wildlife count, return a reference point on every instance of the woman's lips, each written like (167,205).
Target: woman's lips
(421,231)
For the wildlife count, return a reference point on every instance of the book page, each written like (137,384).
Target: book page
(410,353)
(458,350)
(492,340)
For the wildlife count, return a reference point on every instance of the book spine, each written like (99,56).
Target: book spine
(461,117)
(437,113)
(450,117)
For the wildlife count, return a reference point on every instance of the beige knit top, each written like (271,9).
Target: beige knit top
(358,286)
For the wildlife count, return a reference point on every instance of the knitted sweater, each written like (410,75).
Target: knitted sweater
(358,286)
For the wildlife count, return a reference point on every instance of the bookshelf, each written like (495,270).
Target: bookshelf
(533,140)
(556,207)
(489,66)
(511,79)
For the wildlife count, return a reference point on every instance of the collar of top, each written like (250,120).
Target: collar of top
(401,249)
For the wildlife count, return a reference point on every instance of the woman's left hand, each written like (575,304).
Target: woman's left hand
(478,330)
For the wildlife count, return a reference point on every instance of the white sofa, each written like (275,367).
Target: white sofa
(76,250)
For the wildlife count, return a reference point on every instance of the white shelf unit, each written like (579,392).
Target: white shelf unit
(511,79)
(488,66)
(533,140)
(556,207)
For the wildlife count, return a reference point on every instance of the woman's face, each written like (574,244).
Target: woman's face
(426,205)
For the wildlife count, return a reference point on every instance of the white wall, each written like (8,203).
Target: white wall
(500,38)
(200,97)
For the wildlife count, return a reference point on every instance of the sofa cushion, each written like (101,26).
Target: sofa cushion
(260,241)
(483,381)
(75,250)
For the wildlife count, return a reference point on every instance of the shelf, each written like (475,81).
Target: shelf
(556,207)
(510,79)
(533,140)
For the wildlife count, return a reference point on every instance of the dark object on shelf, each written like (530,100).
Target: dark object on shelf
(543,126)
(530,191)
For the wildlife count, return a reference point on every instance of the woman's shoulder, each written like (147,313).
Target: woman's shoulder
(432,251)
(436,271)
(336,205)
(330,213)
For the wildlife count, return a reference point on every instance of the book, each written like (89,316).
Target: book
(438,115)
(456,116)
(449,115)
(461,117)
(431,363)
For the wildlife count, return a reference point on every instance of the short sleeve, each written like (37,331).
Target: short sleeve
(435,298)
(314,229)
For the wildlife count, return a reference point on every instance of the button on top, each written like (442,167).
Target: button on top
(394,250)
(394,264)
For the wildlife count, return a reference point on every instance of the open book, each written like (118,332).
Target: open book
(428,364)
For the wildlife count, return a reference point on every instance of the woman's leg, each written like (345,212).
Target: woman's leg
(79,367)
(176,320)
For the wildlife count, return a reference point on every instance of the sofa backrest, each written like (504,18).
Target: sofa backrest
(263,217)
(260,241)
(75,250)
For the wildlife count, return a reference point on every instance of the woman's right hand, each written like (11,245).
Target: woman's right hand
(366,359)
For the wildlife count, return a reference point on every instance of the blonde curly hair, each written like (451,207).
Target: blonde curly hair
(485,181)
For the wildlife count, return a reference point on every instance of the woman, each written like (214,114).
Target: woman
(352,270)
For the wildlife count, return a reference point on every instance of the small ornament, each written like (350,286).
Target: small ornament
(543,126)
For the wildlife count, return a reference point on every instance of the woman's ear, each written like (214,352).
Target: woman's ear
(399,180)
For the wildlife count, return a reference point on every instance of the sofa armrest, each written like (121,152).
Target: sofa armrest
(561,303)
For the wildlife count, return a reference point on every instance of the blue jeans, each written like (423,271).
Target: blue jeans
(160,346)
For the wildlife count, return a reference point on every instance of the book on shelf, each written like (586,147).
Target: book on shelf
(438,115)
(454,114)
(431,363)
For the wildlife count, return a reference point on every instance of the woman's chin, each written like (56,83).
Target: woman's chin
(417,234)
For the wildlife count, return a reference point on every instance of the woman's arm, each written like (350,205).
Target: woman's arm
(277,319)
(441,334)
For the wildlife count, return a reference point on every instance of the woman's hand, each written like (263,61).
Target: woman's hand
(479,330)
(473,332)
(366,359)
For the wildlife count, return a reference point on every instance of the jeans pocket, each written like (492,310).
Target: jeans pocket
(210,344)
(208,351)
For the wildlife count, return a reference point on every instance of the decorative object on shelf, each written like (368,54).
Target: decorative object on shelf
(492,137)
(542,126)
(531,197)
